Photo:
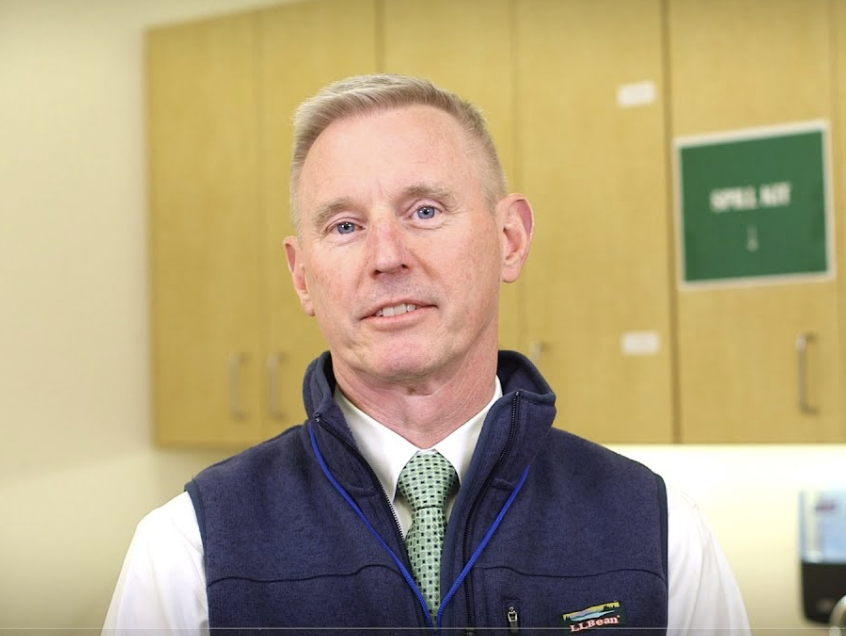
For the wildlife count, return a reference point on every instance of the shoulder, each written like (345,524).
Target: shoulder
(594,463)
(175,518)
(703,591)
(286,449)
(693,546)
(594,480)
(162,582)
(168,534)
(228,493)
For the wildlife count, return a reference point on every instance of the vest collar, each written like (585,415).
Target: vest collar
(527,399)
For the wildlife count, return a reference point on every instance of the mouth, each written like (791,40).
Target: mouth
(395,310)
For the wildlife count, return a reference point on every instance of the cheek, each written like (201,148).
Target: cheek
(474,268)
(320,289)
(321,272)
(332,290)
(487,256)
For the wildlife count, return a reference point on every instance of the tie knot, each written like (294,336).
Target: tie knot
(426,481)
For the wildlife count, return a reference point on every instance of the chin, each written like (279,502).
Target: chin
(404,365)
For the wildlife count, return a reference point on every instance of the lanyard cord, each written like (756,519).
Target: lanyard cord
(482,546)
(403,570)
(405,573)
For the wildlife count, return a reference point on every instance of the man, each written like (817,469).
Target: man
(404,235)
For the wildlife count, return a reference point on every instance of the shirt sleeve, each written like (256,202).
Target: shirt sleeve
(703,594)
(162,584)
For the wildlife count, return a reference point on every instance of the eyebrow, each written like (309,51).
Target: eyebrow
(328,210)
(426,191)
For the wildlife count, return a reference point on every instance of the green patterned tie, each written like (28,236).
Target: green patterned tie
(426,482)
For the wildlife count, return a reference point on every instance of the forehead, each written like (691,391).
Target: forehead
(388,149)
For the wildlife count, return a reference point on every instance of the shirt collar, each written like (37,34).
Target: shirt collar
(388,452)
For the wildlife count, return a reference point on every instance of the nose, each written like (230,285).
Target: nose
(388,248)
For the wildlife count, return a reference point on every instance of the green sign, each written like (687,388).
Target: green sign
(754,204)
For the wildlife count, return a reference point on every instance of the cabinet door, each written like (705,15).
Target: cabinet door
(465,46)
(593,160)
(737,65)
(204,232)
(839,179)
(302,48)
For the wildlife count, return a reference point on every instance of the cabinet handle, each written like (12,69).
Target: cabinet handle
(802,342)
(236,361)
(273,362)
(536,349)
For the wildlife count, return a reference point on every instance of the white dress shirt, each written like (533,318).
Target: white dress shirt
(163,585)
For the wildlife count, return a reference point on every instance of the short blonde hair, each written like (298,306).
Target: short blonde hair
(365,94)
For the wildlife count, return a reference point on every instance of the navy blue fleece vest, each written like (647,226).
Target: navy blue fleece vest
(548,529)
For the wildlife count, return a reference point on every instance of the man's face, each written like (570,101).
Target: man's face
(399,256)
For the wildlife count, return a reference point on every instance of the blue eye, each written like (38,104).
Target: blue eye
(345,227)
(426,212)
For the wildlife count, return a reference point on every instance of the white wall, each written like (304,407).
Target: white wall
(77,468)
(750,496)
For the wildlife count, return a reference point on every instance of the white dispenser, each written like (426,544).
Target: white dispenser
(823,552)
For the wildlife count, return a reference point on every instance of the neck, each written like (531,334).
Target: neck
(426,410)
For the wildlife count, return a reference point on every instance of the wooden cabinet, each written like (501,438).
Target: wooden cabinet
(734,66)
(584,99)
(838,155)
(205,232)
(230,342)
(593,158)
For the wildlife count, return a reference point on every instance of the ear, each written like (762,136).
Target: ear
(296,265)
(518,225)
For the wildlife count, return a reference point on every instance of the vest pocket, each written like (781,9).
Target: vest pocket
(520,603)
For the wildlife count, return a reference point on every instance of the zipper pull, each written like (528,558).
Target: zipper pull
(513,620)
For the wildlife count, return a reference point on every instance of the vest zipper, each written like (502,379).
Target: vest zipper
(371,472)
(513,620)
(468,588)
(397,529)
